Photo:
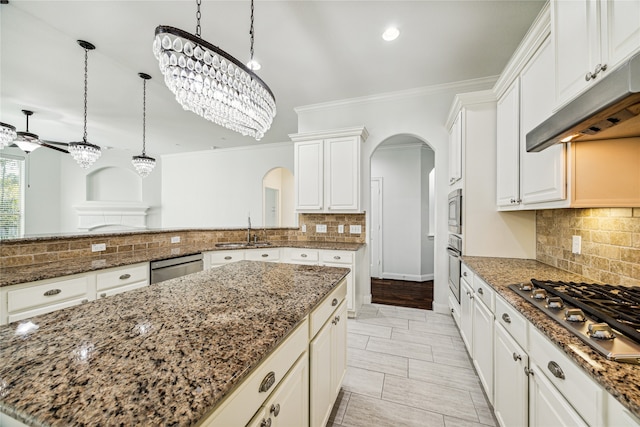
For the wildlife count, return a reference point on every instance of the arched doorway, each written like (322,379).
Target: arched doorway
(278,208)
(402,227)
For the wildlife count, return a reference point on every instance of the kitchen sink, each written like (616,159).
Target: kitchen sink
(238,245)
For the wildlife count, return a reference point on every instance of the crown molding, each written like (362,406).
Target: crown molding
(360,131)
(465,99)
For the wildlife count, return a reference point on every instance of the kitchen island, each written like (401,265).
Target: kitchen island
(166,354)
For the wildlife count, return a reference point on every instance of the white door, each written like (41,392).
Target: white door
(376,227)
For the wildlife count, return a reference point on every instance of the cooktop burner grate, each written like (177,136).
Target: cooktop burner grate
(618,306)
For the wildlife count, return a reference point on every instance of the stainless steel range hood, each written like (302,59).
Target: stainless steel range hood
(608,110)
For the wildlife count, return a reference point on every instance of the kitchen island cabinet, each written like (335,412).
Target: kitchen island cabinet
(170,353)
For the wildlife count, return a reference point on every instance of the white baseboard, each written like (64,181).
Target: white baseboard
(441,308)
(408,277)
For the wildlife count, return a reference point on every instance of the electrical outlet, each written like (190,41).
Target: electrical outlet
(98,247)
(175,239)
(576,245)
(355,229)
(304,228)
(321,228)
(341,229)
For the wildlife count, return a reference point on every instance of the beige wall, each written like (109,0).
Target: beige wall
(610,242)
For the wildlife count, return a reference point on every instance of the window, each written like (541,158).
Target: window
(11,196)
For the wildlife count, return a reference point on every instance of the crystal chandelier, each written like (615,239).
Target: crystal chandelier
(84,152)
(7,134)
(213,84)
(143,163)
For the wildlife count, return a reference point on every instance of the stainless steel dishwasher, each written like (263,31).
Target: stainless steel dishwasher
(175,267)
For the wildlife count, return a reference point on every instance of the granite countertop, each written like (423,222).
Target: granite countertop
(32,272)
(165,354)
(622,380)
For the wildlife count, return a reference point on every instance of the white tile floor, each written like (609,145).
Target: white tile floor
(408,367)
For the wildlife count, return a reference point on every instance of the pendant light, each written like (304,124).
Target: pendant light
(25,140)
(84,152)
(213,84)
(7,134)
(143,163)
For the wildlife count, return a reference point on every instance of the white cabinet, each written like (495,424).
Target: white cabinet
(263,254)
(115,281)
(511,384)
(482,332)
(301,256)
(591,38)
(217,258)
(327,170)
(289,403)
(344,259)
(508,147)
(327,353)
(455,150)
(466,314)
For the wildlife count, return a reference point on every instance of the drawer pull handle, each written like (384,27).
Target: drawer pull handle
(103,295)
(303,255)
(275,409)
(528,371)
(228,257)
(125,276)
(266,423)
(334,302)
(336,257)
(267,382)
(481,291)
(516,357)
(506,318)
(84,301)
(265,255)
(464,273)
(556,370)
(52,292)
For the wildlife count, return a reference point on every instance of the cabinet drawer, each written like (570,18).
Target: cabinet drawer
(337,257)
(302,255)
(238,408)
(47,293)
(576,386)
(272,254)
(123,288)
(223,257)
(485,293)
(326,308)
(466,273)
(122,276)
(512,321)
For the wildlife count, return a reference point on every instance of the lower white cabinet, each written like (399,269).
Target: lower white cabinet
(301,256)
(482,332)
(327,353)
(511,384)
(217,258)
(289,403)
(117,280)
(466,314)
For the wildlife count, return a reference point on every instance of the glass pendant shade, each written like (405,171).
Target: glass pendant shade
(213,84)
(7,134)
(84,153)
(143,164)
(27,141)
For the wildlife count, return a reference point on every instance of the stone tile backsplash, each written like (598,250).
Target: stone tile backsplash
(610,242)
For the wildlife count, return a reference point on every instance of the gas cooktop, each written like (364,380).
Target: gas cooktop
(606,317)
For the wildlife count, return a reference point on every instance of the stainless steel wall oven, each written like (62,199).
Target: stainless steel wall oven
(454,250)
(455,211)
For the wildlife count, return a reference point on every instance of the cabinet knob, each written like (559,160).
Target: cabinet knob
(334,302)
(464,273)
(336,257)
(228,257)
(125,276)
(556,370)
(506,318)
(266,423)
(528,371)
(267,382)
(103,295)
(481,291)
(275,409)
(52,292)
(516,357)
(589,76)
(303,255)
(84,301)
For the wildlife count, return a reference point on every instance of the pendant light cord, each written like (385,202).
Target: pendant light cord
(198,16)
(251,32)
(86,73)
(144,116)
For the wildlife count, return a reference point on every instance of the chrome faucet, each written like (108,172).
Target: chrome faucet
(249,231)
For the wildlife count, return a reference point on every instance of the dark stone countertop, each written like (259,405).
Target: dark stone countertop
(622,380)
(165,354)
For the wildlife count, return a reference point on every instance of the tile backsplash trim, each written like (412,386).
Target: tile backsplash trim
(610,243)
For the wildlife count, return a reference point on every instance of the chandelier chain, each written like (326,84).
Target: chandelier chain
(251,32)
(144,116)
(86,80)
(198,16)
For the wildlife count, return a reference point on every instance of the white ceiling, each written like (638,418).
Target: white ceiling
(311,52)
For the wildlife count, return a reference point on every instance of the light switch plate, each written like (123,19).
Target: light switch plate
(355,229)
(98,247)
(576,245)
(175,239)
(341,229)
(304,228)
(321,228)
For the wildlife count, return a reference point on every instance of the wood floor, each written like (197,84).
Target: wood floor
(402,293)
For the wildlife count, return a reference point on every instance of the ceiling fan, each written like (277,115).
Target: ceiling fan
(28,141)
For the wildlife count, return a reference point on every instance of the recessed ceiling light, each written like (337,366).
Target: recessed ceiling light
(253,65)
(390,34)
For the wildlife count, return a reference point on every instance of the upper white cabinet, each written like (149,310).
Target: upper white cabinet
(327,170)
(590,38)
(455,150)
(508,147)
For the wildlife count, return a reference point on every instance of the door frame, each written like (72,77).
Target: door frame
(376,228)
